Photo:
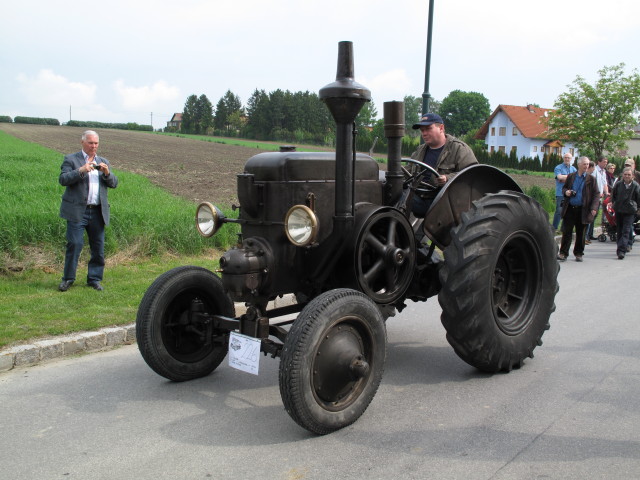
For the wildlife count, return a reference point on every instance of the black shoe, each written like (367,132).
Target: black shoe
(64,285)
(95,286)
(592,238)
(620,256)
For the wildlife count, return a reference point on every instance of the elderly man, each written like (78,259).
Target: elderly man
(581,199)
(600,174)
(561,172)
(85,206)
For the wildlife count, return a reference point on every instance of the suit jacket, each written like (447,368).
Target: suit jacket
(590,196)
(74,198)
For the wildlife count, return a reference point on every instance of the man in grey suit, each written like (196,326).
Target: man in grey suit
(87,177)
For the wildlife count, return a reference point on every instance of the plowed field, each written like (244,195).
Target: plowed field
(192,169)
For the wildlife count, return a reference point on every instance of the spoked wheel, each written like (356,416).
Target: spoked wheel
(499,281)
(332,361)
(602,237)
(384,256)
(173,339)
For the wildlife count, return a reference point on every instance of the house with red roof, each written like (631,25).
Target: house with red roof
(523,130)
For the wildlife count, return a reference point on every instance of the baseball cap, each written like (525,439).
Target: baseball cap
(428,119)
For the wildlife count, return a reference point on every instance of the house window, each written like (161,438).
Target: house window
(493,131)
(492,149)
(556,150)
(503,131)
(515,131)
(501,149)
(535,148)
(514,148)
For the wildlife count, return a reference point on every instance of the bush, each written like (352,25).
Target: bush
(5,119)
(545,197)
(36,121)
(117,126)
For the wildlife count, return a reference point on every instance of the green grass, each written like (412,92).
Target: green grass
(31,306)
(145,219)
(151,231)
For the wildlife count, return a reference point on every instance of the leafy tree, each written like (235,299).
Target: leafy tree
(464,111)
(598,118)
(204,116)
(367,115)
(259,123)
(189,114)
(227,105)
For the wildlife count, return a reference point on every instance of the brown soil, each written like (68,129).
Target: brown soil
(192,169)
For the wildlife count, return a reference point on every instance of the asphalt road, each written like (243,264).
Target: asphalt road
(572,412)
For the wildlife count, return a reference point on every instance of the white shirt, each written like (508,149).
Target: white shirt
(94,185)
(601,177)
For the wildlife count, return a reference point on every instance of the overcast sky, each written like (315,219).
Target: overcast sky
(138,60)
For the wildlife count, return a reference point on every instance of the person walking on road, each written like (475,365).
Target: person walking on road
(85,206)
(626,199)
(561,172)
(581,198)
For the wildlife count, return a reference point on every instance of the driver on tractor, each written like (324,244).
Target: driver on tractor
(441,151)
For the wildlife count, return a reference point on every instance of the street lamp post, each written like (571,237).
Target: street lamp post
(425,95)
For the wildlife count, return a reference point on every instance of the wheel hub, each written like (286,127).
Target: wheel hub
(340,364)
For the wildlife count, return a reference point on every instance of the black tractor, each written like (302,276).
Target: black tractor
(336,236)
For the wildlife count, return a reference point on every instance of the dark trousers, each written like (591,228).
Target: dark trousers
(558,215)
(624,227)
(93,223)
(573,218)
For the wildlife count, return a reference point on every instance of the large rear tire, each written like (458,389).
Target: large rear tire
(172,340)
(332,361)
(499,281)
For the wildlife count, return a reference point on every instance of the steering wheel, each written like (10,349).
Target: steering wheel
(416,179)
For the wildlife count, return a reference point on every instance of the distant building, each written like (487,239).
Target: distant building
(176,121)
(522,129)
(633,144)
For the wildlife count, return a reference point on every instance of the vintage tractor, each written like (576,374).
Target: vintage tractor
(332,233)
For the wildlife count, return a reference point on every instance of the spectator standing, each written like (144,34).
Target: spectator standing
(626,199)
(581,197)
(611,177)
(560,173)
(85,206)
(631,163)
(600,174)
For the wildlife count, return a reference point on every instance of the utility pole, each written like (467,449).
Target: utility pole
(425,95)
(151,120)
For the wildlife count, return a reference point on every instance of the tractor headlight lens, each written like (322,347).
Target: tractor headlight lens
(301,225)
(208,219)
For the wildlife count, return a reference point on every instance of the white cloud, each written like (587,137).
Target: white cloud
(146,97)
(48,89)
(389,85)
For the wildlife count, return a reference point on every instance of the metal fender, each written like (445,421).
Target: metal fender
(456,197)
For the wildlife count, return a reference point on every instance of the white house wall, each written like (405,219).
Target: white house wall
(525,147)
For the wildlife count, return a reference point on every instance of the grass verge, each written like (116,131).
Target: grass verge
(31,307)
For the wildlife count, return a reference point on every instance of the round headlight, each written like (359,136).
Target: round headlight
(301,225)
(208,219)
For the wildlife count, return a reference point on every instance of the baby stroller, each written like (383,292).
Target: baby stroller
(608,221)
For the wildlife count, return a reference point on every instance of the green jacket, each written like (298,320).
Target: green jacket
(455,156)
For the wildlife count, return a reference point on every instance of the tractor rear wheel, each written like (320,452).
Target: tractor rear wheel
(499,281)
(332,361)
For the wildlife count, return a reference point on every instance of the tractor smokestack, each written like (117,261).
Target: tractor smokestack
(345,98)
(394,131)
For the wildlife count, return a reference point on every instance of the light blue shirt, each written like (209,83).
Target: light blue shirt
(562,169)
